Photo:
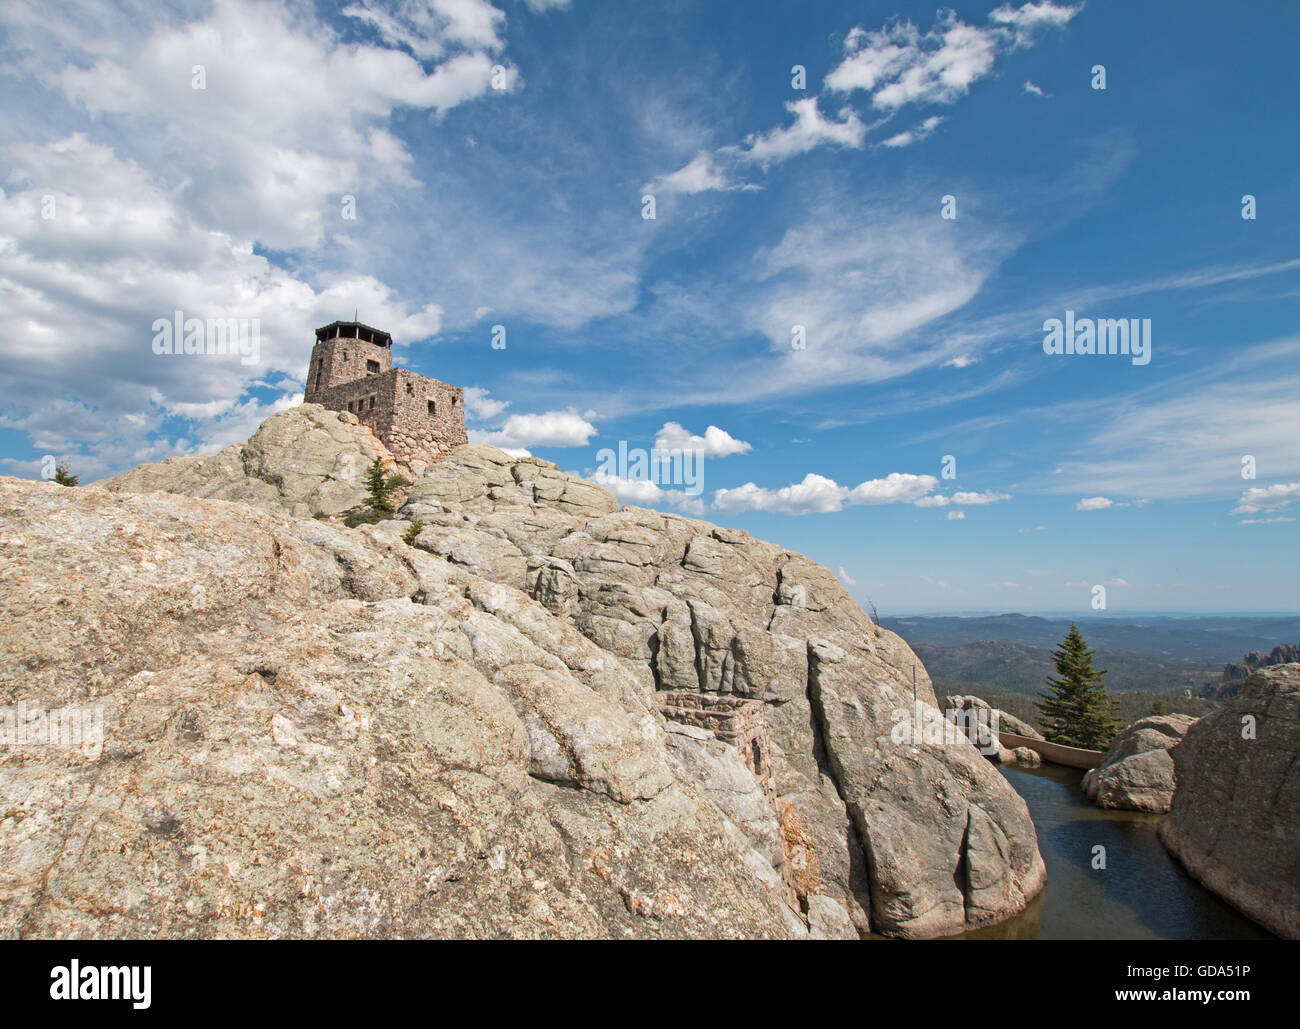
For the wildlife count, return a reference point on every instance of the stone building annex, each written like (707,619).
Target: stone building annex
(419,419)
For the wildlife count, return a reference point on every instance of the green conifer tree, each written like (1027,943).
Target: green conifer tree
(381,489)
(64,477)
(1076,709)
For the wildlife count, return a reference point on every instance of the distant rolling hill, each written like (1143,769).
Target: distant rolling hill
(1024,669)
(1159,654)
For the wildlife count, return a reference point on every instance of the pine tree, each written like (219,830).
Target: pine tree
(1077,711)
(381,489)
(64,477)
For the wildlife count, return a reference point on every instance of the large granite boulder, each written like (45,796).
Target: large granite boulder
(659,683)
(975,717)
(480,478)
(305,461)
(1235,819)
(294,746)
(1006,722)
(696,608)
(1137,773)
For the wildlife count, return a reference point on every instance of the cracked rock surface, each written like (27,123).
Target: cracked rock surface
(1234,823)
(1137,773)
(314,730)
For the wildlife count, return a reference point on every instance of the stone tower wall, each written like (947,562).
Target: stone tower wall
(428,419)
(395,406)
(335,362)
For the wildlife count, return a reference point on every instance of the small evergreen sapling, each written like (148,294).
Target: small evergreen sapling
(379,504)
(381,489)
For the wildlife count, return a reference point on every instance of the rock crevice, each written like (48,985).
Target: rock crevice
(594,720)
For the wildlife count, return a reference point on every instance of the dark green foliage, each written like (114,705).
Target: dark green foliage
(379,504)
(1076,710)
(64,477)
(411,533)
(366,516)
(381,489)
(1158,707)
(1133,704)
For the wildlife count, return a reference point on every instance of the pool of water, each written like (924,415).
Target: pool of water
(1141,894)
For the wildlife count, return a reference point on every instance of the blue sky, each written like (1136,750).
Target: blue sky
(500,155)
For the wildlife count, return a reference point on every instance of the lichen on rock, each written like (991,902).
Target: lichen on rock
(314,730)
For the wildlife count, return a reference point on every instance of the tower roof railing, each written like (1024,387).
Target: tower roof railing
(354,330)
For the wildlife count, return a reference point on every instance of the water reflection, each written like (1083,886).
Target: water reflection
(1141,894)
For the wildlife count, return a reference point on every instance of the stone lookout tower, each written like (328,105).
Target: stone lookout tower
(417,418)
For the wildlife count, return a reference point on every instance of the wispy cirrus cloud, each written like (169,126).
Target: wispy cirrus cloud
(897,66)
(963,498)
(429,28)
(915,134)
(721,169)
(1268,499)
(1186,437)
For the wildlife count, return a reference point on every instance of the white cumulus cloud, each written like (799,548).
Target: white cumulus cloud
(479,406)
(817,494)
(645,493)
(550,429)
(894,488)
(714,443)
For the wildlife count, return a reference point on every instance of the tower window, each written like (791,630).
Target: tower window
(372,367)
(372,403)
(433,408)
